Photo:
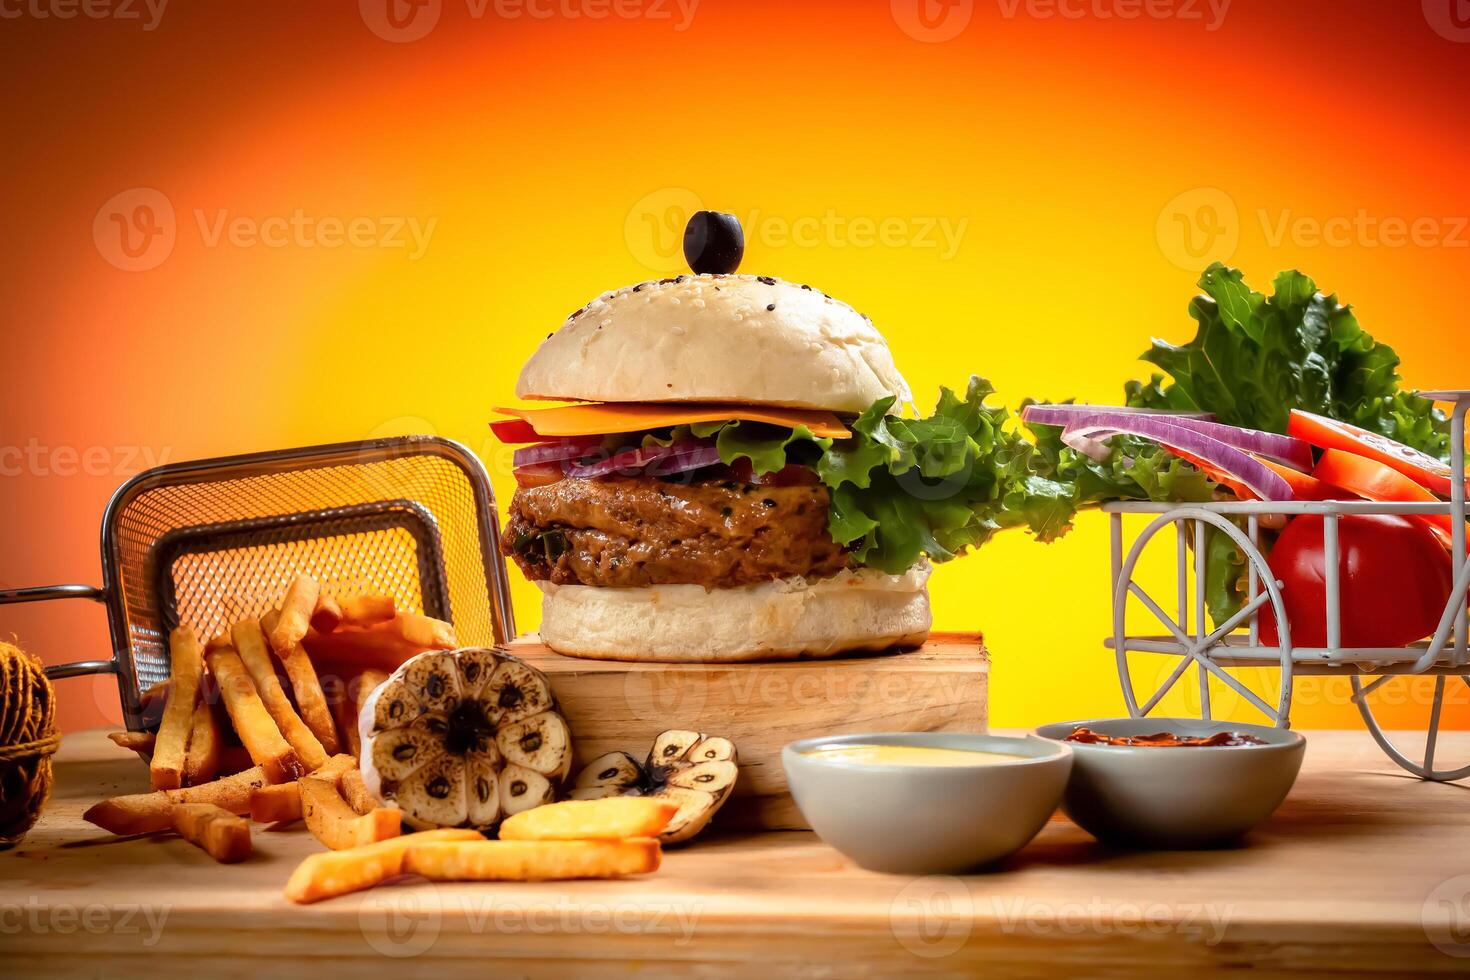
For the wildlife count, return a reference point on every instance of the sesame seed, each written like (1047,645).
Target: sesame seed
(770,307)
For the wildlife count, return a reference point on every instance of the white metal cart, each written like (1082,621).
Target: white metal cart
(1236,643)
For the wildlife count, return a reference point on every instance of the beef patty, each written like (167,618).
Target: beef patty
(639,531)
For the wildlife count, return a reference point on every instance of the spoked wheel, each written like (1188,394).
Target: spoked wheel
(1405,703)
(1199,646)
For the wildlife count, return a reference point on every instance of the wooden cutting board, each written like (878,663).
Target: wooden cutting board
(610,705)
(1360,872)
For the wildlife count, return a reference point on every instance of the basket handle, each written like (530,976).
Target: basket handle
(45,593)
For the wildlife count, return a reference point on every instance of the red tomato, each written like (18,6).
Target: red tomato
(514,431)
(538,474)
(1394,580)
(1303,487)
(791,475)
(1371,479)
(1326,433)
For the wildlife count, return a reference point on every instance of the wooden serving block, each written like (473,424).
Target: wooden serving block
(612,705)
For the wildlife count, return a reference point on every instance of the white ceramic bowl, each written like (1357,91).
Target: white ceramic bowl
(1176,797)
(916,819)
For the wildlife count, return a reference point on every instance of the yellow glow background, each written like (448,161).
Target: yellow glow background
(1085,168)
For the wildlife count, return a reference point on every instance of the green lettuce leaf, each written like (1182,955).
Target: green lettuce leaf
(1255,357)
(937,486)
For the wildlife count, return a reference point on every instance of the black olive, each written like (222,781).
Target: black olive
(713,242)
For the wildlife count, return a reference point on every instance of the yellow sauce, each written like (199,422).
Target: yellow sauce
(909,755)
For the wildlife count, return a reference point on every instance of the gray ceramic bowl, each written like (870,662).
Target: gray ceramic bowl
(928,819)
(1158,797)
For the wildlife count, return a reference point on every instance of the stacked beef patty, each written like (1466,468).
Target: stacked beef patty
(632,532)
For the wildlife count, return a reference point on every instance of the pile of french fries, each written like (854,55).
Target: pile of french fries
(257,684)
(297,760)
(606,838)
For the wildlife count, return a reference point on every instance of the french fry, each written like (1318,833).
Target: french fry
(250,643)
(348,708)
(139,742)
(295,614)
(336,824)
(257,730)
(422,631)
(355,792)
(153,692)
(311,700)
(326,615)
(281,803)
(367,610)
(531,860)
(202,759)
(220,834)
(611,818)
(166,770)
(148,813)
(333,873)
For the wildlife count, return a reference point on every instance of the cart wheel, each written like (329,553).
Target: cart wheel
(1395,690)
(1196,646)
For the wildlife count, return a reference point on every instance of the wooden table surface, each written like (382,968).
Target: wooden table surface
(1362,869)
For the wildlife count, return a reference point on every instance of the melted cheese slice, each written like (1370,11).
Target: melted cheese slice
(600,418)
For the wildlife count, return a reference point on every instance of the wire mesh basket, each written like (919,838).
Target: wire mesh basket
(216,541)
(1226,651)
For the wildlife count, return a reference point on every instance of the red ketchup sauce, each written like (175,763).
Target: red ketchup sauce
(1164,739)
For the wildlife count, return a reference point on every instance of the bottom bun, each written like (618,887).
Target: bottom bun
(780,620)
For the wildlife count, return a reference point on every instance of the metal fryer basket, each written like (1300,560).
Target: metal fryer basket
(212,542)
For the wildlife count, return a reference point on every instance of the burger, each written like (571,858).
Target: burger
(672,507)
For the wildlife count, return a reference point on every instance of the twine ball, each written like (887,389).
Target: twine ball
(28,739)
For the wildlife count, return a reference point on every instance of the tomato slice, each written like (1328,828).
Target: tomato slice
(514,431)
(790,475)
(539,474)
(1303,487)
(1326,433)
(1370,478)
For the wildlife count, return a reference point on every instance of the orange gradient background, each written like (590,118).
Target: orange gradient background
(1083,163)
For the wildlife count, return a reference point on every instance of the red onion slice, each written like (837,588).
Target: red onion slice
(551,452)
(1092,424)
(678,458)
(1260,478)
